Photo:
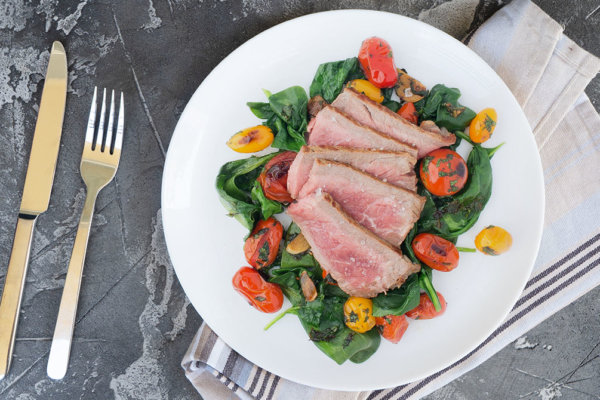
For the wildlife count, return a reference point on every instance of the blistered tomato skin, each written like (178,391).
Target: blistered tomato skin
(274,177)
(409,112)
(483,125)
(493,240)
(392,327)
(426,309)
(367,88)
(436,252)
(262,295)
(251,140)
(443,172)
(262,245)
(377,61)
(358,314)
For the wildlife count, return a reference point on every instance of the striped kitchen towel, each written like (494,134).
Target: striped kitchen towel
(547,72)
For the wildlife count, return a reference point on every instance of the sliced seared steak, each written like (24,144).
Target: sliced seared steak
(361,263)
(386,210)
(381,118)
(396,168)
(331,127)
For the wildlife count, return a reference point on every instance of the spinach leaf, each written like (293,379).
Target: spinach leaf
(345,344)
(268,207)
(335,339)
(289,119)
(387,99)
(330,78)
(234,184)
(398,301)
(290,105)
(286,115)
(426,283)
(261,110)
(441,106)
(454,215)
(391,104)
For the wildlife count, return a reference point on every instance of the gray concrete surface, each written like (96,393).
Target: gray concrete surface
(134,321)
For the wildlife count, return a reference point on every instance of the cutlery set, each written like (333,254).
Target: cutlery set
(99,162)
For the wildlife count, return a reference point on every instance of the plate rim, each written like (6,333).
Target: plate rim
(541,196)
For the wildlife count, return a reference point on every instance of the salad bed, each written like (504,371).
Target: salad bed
(253,190)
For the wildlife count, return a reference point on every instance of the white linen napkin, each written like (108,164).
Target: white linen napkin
(547,73)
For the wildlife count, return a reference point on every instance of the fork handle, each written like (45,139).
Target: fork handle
(58,360)
(13,290)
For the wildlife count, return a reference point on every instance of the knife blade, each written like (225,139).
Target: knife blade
(36,195)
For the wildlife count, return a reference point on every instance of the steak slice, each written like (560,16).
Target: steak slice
(361,263)
(396,168)
(381,118)
(332,127)
(386,210)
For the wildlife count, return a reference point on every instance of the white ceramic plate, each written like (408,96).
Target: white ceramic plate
(206,246)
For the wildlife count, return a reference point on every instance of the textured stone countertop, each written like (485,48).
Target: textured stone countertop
(134,321)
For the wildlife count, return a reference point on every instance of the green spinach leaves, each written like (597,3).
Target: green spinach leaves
(236,185)
(286,114)
(442,107)
(330,78)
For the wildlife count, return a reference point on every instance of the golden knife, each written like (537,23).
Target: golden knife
(36,196)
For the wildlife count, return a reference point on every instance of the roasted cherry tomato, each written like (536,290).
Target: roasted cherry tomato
(425,309)
(493,240)
(443,172)
(436,252)
(251,140)
(377,62)
(358,314)
(409,113)
(483,125)
(262,245)
(265,296)
(392,327)
(367,88)
(274,177)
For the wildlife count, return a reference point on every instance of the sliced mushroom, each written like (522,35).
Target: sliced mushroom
(298,245)
(431,127)
(308,287)
(408,88)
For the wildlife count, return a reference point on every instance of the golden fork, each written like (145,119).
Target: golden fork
(99,162)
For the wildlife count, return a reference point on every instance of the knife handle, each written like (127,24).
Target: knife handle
(13,289)
(60,350)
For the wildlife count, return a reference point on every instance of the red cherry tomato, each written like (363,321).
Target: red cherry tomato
(262,245)
(409,113)
(377,61)
(273,179)
(265,296)
(436,252)
(425,309)
(443,172)
(392,327)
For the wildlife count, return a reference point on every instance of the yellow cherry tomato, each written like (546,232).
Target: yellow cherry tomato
(483,125)
(358,314)
(367,88)
(251,140)
(493,240)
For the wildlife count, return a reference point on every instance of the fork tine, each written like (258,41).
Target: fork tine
(100,134)
(108,138)
(89,132)
(120,125)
